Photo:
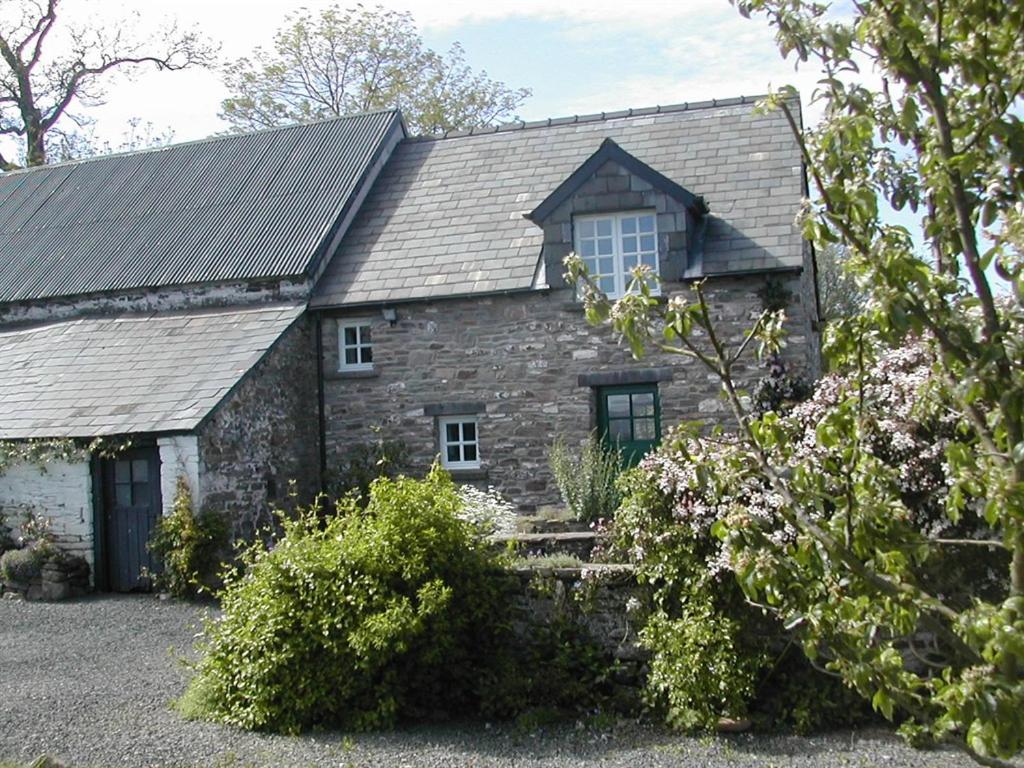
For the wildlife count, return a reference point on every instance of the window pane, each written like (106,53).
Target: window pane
(643,429)
(646,223)
(453,453)
(122,472)
(649,259)
(629,226)
(643,404)
(140,471)
(618,429)
(140,491)
(604,227)
(647,243)
(604,247)
(451,432)
(586,229)
(469,452)
(587,248)
(352,356)
(469,431)
(628,263)
(364,334)
(367,355)
(607,284)
(350,337)
(618,406)
(629,244)
(123,492)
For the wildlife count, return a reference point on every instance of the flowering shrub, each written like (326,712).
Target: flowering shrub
(685,496)
(487,511)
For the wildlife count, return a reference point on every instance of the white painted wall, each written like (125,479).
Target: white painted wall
(179,455)
(60,491)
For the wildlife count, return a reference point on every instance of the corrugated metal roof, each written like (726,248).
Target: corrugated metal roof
(250,206)
(131,373)
(445,217)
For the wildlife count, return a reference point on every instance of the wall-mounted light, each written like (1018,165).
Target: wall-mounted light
(391,315)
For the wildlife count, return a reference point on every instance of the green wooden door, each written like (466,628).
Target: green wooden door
(629,418)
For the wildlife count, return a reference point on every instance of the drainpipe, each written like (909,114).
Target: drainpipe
(321,410)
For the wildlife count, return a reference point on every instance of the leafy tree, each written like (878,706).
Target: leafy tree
(837,288)
(357,60)
(941,135)
(45,68)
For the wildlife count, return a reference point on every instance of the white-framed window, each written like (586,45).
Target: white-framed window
(355,346)
(613,244)
(460,442)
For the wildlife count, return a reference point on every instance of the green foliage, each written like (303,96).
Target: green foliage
(358,619)
(587,482)
(365,462)
(340,62)
(817,524)
(189,546)
(24,565)
(699,672)
(557,672)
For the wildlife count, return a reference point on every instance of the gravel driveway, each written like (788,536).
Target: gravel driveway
(90,682)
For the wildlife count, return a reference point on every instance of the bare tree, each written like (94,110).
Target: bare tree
(40,80)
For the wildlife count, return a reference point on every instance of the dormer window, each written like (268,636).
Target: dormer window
(613,245)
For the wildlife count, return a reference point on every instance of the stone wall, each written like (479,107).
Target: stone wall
(264,436)
(521,357)
(62,492)
(156,300)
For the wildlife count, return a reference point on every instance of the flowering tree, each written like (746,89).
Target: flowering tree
(942,135)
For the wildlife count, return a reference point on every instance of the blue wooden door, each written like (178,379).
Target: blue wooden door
(131,490)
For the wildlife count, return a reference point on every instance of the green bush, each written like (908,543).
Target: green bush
(557,672)
(188,545)
(365,462)
(24,565)
(587,482)
(357,619)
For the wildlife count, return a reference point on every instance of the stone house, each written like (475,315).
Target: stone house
(247,309)
(445,321)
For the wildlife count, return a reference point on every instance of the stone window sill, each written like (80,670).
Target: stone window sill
(372,373)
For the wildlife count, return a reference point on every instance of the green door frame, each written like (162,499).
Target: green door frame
(618,423)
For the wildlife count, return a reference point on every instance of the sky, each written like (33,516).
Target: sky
(577,57)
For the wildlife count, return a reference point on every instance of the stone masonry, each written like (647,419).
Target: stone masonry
(263,437)
(521,356)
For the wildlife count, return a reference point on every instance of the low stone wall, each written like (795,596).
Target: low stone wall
(61,578)
(603,599)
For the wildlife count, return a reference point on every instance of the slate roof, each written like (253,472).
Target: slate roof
(249,206)
(131,373)
(446,216)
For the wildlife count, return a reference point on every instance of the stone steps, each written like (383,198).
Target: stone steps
(577,544)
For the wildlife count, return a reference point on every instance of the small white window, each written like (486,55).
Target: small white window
(355,348)
(460,442)
(612,245)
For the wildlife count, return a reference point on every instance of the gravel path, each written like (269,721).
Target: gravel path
(89,682)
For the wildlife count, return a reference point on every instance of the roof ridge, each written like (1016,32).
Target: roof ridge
(205,140)
(596,117)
